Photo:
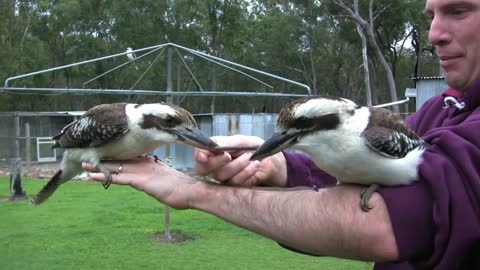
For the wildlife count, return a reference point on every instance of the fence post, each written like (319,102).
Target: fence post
(168,162)
(28,157)
(16,187)
(17,136)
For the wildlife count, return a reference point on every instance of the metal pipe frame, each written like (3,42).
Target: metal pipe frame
(149,92)
(216,60)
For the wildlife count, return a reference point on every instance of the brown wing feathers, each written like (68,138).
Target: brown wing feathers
(99,125)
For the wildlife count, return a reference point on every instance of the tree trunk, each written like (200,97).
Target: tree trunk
(388,70)
(368,27)
(365,65)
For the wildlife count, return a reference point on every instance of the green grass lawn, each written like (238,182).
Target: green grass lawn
(83,226)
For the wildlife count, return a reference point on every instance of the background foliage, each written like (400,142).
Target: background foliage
(309,41)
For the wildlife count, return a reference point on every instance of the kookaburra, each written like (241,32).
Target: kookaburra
(131,57)
(120,131)
(361,145)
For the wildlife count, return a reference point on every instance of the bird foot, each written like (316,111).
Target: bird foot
(154,156)
(107,173)
(365,197)
(106,183)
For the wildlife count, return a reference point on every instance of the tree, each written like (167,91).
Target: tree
(368,27)
(302,40)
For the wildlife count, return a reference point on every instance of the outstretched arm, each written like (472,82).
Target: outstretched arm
(328,222)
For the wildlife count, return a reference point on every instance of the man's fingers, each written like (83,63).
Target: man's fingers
(245,176)
(212,163)
(233,168)
(202,156)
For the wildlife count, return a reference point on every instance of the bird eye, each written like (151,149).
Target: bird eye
(303,123)
(170,121)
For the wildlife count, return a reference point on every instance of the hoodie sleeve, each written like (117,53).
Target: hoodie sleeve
(436,220)
(302,171)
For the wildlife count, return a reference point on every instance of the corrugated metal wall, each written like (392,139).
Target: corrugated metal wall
(261,125)
(427,88)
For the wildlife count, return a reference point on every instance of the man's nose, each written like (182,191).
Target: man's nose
(439,33)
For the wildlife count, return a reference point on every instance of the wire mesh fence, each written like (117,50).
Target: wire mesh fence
(28,135)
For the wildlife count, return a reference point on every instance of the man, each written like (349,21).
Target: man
(432,224)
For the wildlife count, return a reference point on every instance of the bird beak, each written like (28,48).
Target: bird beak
(276,143)
(194,137)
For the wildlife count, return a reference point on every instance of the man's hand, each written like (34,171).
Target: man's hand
(235,168)
(154,178)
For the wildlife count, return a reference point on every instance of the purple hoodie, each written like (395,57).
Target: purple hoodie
(436,221)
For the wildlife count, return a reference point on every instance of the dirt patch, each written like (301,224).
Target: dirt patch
(47,170)
(175,237)
(38,171)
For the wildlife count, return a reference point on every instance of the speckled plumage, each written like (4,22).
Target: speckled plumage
(388,134)
(120,131)
(362,145)
(99,125)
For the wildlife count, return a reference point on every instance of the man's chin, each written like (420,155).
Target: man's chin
(455,80)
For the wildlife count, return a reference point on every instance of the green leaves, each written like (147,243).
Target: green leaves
(307,41)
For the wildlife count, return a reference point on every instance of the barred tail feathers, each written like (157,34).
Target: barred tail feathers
(48,189)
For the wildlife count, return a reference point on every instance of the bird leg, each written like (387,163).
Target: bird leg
(154,156)
(365,197)
(107,173)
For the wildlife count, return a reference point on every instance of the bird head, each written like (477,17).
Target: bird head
(169,123)
(303,118)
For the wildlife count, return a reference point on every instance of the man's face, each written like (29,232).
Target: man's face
(455,33)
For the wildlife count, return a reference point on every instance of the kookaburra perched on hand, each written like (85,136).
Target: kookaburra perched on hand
(361,145)
(120,131)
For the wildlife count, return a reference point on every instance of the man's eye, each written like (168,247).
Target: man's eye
(458,12)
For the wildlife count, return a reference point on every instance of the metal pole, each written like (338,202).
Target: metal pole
(77,64)
(28,158)
(17,136)
(151,92)
(392,103)
(242,66)
(168,235)
(169,71)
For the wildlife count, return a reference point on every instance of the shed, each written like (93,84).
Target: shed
(427,87)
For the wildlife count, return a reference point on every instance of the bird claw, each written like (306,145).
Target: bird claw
(364,204)
(365,197)
(107,182)
(108,176)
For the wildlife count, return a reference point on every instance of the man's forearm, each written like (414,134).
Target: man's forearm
(328,222)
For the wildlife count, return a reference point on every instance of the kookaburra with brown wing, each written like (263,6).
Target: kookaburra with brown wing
(120,131)
(361,145)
